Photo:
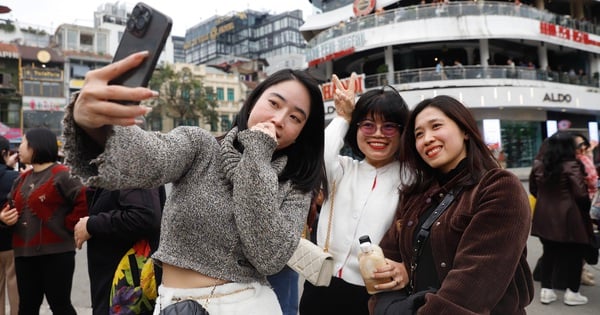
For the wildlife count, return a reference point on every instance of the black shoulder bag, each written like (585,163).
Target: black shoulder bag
(405,301)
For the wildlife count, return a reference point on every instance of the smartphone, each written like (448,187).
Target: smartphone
(147,29)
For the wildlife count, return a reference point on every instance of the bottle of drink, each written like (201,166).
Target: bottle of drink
(370,258)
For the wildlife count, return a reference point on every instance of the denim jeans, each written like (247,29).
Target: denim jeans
(285,285)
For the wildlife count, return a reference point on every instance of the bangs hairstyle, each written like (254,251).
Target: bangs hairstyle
(44,145)
(385,103)
(305,155)
(479,157)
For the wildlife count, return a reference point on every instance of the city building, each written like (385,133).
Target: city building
(178,52)
(10,98)
(525,69)
(84,48)
(42,87)
(249,34)
(229,89)
(18,33)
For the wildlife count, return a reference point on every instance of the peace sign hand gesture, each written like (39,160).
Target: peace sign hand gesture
(343,97)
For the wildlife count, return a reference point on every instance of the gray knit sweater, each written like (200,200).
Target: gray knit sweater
(227,216)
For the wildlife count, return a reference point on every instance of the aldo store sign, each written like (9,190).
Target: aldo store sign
(557,98)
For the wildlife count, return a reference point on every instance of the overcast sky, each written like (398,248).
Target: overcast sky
(48,14)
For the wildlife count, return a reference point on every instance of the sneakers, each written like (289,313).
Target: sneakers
(573,298)
(547,296)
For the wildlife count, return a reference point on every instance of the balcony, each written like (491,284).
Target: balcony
(452,9)
(452,73)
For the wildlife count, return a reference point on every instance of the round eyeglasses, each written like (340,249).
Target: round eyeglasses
(388,129)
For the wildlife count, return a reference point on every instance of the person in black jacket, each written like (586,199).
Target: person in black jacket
(117,220)
(8,277)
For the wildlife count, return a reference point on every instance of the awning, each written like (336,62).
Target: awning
(317,22)
(327,19)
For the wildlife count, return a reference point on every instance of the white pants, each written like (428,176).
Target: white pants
(226,299)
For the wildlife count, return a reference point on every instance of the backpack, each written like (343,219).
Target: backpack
(134,288)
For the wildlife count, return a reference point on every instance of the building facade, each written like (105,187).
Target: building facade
(84,48)
(249,34)
(10,98)
(525,69)
(228,89)
(42,87)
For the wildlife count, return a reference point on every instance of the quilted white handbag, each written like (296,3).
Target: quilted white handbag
(313,263)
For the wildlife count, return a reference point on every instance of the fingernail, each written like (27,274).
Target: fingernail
(155,93)
(147,109)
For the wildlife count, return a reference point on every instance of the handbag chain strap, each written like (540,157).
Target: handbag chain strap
(423,234)
(333,191)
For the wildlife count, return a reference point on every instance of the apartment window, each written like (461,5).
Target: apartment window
(72,40)
(42,88)
(230,95)
(225,123)
(220,94)
(102,44)
(79,71)
(86,39)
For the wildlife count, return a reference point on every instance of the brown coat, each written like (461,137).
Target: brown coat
(478,245)
(562,206)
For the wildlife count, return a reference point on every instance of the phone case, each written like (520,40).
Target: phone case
(147,29)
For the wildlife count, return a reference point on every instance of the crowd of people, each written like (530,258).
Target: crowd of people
(421,183)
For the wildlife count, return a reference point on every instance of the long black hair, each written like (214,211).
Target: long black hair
(479,158)
(305,155)
(560,147)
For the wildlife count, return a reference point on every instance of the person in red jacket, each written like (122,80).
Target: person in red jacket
(45,204)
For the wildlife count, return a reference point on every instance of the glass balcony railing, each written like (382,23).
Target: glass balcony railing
(452,9)
(479,72)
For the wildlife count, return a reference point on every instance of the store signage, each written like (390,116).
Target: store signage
(332,56)
(363,7)
(43,103)
(341,44)
(42,74)
(567,34)
(557,98)
(327,89)
(212,35)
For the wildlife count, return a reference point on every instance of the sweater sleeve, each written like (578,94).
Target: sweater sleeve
(135,158)
(269,230)
(334,141)
(491,247)
(74,192)
(136,215)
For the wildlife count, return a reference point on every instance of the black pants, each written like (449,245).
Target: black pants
(50,275)
(339,298)
(565,259)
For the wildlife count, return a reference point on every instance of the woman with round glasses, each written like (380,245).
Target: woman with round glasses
(363,191)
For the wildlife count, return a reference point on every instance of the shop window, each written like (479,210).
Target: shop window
(520,142)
